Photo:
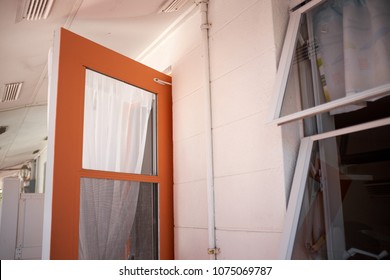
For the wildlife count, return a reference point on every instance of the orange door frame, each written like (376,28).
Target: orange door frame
(75,55)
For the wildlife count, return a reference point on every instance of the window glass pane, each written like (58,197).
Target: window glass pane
(119,126)
(375,110)
(342,49)
(118,220)
(345,211)
(311,225)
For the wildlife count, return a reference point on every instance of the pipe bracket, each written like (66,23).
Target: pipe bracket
(205,26)
(200,2)
(213,251)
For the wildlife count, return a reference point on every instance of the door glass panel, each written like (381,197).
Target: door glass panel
(342,49)
(118,220)
(119,126)
(345,211)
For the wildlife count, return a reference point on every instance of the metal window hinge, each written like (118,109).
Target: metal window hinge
(213,251)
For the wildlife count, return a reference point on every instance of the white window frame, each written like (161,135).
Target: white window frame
(294,3)
(300,178)
(306,146)
(284,71)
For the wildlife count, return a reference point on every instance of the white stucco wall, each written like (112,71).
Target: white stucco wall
(245,43)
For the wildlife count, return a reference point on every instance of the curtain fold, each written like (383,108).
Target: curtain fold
(107,213)
(115,124)
(115,128)
(353,40)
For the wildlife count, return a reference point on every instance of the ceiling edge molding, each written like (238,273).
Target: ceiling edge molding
(171,28)
(69,21)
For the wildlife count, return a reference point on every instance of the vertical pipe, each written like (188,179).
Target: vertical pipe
(208,131)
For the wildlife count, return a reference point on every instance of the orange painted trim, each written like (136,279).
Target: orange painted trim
(119,176)
(77,54)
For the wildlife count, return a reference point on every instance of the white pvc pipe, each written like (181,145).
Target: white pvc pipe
(208,130)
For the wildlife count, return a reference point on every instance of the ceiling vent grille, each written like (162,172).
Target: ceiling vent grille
(172,6)
(11,92)
(36,9)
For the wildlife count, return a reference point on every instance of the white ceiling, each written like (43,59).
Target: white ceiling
(126,26)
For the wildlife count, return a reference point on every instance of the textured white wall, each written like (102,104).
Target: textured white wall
(248,153)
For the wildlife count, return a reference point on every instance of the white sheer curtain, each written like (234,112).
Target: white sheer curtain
(116,118)
(115,128)
(353,38)
(107,212)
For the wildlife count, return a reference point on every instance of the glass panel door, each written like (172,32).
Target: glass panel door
(110,132)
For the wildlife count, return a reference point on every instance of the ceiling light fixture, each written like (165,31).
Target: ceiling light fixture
(11,91)
(172,6)
(25,175)
(33,9)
